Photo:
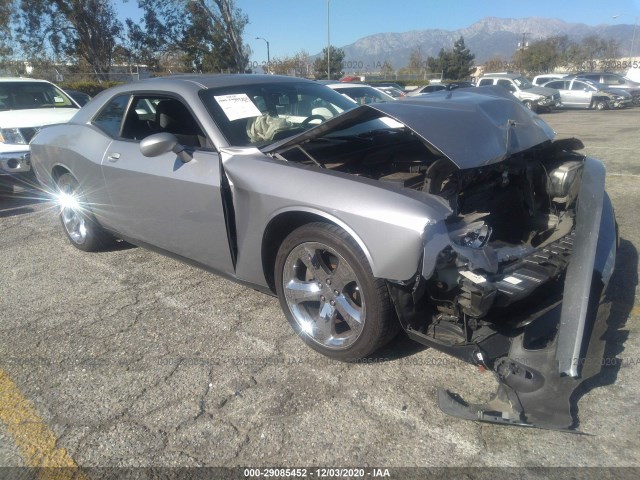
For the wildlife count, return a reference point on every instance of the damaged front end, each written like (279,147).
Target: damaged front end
(512,279)
(520,295)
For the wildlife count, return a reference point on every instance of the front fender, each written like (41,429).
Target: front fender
(387,222)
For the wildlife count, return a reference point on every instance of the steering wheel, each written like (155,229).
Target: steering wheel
(307,121)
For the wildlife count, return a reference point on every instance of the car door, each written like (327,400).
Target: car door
(162,201)
(562,87)
(580,94)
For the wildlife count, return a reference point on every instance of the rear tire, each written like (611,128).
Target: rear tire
(329,294)
(79,224)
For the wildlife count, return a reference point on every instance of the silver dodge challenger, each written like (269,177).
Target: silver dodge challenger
(457,218)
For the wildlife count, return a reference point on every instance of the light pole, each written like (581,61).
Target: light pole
(268,57)
(633,37)
(328,45)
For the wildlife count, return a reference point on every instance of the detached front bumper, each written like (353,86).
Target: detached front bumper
(549,102)
(628,102)
(537,381)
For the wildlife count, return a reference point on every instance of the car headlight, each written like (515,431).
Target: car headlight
(12,135)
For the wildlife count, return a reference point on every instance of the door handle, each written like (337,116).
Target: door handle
(114,157)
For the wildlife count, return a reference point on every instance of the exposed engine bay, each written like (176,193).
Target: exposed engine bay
(510,231)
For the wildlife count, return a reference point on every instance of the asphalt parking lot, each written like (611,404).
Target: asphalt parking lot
(128,358)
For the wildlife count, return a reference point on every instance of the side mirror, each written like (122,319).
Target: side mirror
(160,143)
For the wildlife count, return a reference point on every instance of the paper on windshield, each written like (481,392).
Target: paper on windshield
(237,106)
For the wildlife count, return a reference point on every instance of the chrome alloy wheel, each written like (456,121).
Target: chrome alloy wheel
(72,217)
(323,294)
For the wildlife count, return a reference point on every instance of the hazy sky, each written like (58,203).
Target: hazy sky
(291,25)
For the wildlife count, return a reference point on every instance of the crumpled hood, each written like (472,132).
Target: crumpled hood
(472,127)
(544,91)
(617,91)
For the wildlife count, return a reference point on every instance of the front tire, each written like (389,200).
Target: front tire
(329,294)
(601,104)
(78,222)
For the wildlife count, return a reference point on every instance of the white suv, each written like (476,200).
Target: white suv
(26,105)
(534,98)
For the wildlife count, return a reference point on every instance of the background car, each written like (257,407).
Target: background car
(583,93)
(540,80)
(394,92)
(390,84)
(26,105)
(360,93)
(533,97)
(613,80)
(413,215)
(81,98)
(435,87)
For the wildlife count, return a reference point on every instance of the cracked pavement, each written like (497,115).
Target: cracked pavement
(134,359)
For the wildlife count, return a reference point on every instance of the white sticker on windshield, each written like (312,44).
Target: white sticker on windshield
(512,280)
(58,99)
(237,106)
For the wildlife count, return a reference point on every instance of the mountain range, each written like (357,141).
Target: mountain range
(487,38)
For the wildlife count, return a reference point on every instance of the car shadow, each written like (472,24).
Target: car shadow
(117,246)
(621,295)
(20,202)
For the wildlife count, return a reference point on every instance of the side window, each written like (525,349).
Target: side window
(507,84)
(558,85)
(151,114)
(595,78)
(578,86)
(110,117)
(485,81)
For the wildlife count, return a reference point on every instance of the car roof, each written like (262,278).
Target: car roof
(200,82)
(501,75)
(226,80)
(552,75)
(22,79)
(348,85)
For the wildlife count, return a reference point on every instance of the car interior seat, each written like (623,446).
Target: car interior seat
(173,117)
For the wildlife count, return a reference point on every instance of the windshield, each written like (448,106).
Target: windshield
(32,95)
(596,85)
(259,114)
(522,83)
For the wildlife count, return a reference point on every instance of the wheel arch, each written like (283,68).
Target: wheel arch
(57,171)
(283,222)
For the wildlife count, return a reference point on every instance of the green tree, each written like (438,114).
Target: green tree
(387,69)
(297,65)
(83,31)
(7,11)
(461,61)
(456,64)
(336,57)
(205,34)
(541,56)
(416,59)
